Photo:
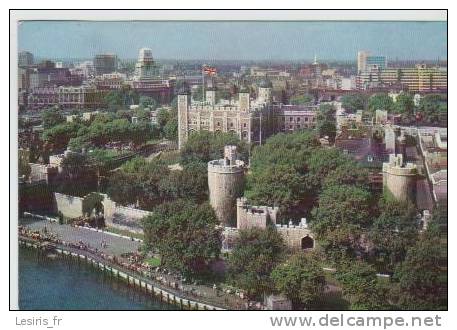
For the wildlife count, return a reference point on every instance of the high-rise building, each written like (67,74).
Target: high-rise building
(362,60)
(365,61)
(376,60)
(105,63)
(145,68)
(25,58)
(420,78)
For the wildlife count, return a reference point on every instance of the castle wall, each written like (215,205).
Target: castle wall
(126,218)
(121,217)
(293,235)
(248,216)
(70,206)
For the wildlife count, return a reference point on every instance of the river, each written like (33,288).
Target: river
(58,284)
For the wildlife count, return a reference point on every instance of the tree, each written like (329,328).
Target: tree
(322,162)
(58,136)
(300,278)
(78,175)
(123,188)
(279,185)
(191,183)
(353,102)
(147,102)
(433,108)
(186,236)
(163,116)
(349,173)
(255,254)
(301,99)
(114,100)
(393,232)
(326,122)
(361,287)
(422,277)
(51,117)
(380,101)
(404,105)
(204,146)
(342,214)
(170,130)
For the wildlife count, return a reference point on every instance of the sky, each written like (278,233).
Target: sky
(327,40)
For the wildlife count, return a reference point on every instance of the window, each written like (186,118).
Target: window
(298,119)
(231,124)
(291,119)
(218,124)
(306,118)
(298,126)
(245,125)
(290,126)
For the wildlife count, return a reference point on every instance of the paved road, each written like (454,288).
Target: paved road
(115,245)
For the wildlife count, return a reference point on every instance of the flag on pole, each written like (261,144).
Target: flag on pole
(209,71)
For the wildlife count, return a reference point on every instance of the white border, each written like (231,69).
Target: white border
(188,320)
(237,15)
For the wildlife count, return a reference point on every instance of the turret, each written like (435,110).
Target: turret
(183,108)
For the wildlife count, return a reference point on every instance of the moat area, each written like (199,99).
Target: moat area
(56,284)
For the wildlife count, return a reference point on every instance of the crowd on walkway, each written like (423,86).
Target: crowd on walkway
(134,262)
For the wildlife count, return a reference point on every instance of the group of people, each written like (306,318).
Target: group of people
(130,261)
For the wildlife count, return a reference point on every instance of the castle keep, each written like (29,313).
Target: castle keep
(252,120)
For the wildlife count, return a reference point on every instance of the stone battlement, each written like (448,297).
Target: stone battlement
(224,166)
(249,216)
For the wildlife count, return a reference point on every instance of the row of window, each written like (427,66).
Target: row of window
(291,127)
(218,124)
(298,119)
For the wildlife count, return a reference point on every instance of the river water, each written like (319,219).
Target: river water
(58,284)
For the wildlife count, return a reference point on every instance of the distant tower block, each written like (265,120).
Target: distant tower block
(400,179)
(265,88)
(226,183)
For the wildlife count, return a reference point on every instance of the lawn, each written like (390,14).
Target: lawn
(153,261)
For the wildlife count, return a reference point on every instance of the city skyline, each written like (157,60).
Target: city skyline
(243,41)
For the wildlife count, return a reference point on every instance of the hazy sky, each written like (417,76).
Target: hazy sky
(235,40)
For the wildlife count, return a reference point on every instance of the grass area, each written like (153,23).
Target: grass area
(124,232)
(170,157)
(153,261)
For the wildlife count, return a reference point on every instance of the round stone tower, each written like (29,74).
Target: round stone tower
(399,178)
(226,183)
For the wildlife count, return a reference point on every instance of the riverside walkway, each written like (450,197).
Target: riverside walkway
(116,246)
